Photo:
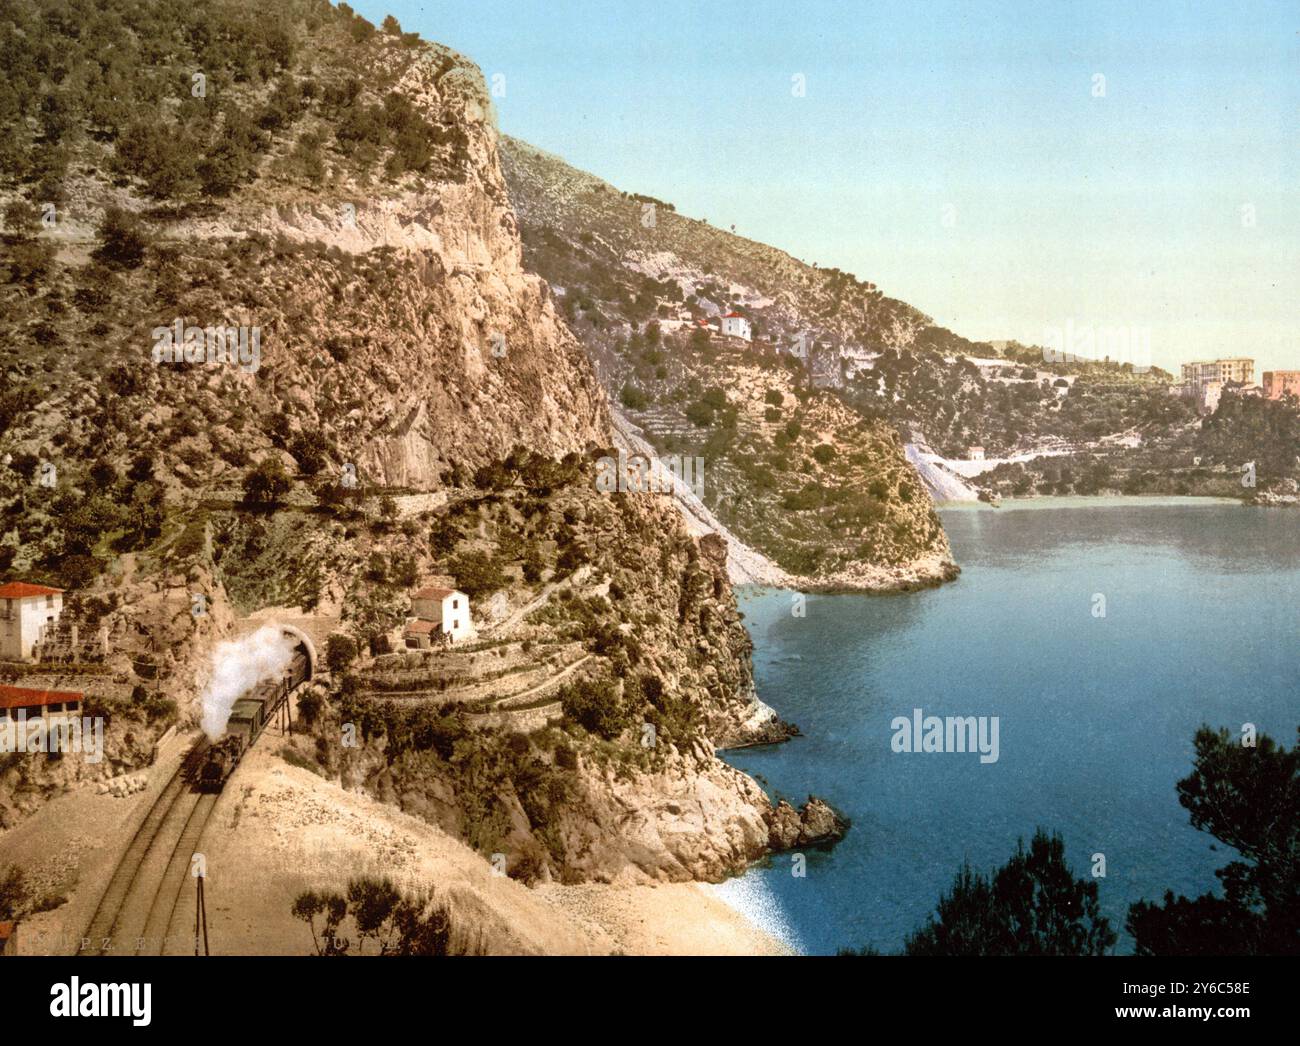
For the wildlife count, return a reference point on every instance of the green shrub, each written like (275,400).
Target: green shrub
(310,703)
(476,573)
(267,484)
(700,413)
(293,757)
(633,398)
(340,652)
(595,705)
(123,239)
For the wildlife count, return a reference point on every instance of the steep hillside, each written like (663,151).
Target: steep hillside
(822,489)
(1249,448)
(330,194)
(636,279)
(653,672)
(398,331)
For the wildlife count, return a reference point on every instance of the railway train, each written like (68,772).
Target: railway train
(247,720)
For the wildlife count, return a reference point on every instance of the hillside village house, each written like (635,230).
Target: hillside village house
(27,613)
(975,453)
(441,615)
(734,325)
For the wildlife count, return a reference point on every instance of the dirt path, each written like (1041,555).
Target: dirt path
(523,695)
(511,622)
(281,829)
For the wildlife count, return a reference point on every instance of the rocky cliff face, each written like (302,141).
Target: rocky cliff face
(370,246)
(398,331)
(460,352)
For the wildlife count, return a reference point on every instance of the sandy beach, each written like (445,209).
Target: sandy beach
(278,830)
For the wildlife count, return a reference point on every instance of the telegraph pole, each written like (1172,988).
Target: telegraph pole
(200,917)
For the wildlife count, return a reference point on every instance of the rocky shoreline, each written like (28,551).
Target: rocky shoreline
(816,823)
(870,579)
(1271,499)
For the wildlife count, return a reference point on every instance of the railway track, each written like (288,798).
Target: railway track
(156,939)
(132,916)
(138,906)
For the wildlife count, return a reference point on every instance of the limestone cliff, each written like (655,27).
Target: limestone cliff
(341,206)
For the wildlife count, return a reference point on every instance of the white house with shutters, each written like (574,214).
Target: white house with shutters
(734,325)
(27,614)
(441,615)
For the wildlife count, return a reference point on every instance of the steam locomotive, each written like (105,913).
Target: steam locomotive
(247,720)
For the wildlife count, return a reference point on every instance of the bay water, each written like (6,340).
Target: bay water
(1100,633)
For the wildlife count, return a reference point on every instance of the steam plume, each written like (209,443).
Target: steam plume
(238,665)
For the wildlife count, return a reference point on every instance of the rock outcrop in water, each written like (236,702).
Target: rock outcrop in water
(816,824)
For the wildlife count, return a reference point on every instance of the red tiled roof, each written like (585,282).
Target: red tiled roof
(432,592)
(21,590)
(419,628)
(734,316)
(20,696)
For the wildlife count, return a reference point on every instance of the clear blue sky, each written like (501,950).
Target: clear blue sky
(1061,206)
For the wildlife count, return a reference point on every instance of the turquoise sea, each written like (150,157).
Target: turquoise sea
(1096,713)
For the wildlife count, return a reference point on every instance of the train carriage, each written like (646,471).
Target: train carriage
(248,718)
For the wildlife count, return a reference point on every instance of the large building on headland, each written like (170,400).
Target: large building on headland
(1279,383)
(1204,381)
(1238,370)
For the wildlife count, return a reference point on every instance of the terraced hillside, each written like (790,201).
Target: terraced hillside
(325,201)
(821,488)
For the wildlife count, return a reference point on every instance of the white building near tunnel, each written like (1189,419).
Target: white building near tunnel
(441,615)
